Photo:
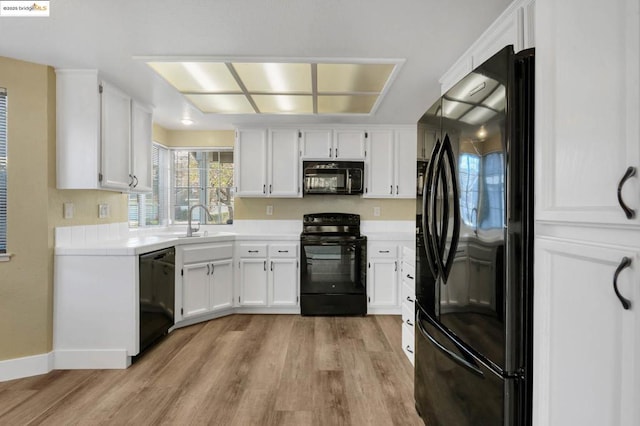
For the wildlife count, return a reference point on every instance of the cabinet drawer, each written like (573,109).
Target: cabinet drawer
(383,250)
(283,250)
(206,252)
(408,294)
(408,315)
(252,250)
(409,274)
(408,342)
(409,256)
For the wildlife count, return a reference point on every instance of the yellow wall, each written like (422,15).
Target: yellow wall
(294,208)
(35,209)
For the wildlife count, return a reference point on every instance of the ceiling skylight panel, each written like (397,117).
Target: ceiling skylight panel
(355,104)
(349,78)
(273,77)
(221,104)
(197,77)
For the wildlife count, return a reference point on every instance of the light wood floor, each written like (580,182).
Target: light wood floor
(237,370)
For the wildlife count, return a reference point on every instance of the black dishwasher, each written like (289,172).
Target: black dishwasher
(157,295)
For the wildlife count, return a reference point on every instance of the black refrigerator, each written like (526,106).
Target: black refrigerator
(474,249)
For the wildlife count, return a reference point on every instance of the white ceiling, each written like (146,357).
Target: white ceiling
(429,34)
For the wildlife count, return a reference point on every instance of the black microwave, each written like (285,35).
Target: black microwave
(333,177)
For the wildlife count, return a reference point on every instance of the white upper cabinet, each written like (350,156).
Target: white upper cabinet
(284,163)
(316,144)
(348,144)
(588,133)
(141,137)
(251,163)
(391,163)
(328,144)
(103,137)
(267,163)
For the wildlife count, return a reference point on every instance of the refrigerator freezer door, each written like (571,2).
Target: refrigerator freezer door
(451,386)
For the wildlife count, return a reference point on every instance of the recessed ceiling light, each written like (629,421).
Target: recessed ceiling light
(187,121)
(228,86)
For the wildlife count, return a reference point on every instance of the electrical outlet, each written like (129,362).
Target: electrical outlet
(376,211)
(269,210)
(67,210)
(103,211)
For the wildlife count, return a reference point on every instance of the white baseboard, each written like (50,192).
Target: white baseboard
(91,359)
(384,311)
(27,366)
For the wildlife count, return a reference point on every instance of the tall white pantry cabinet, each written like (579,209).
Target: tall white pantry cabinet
(587,248)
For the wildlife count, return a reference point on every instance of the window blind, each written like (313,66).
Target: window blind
(3,170)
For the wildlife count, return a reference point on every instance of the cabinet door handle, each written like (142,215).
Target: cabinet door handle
(253,251)
(130,180)
(270,189)
(397,189)
(330,151)
(264,189)
(136,181)
(336,152)
(212,268)
(208,269)
(396,269)
(409,299)
(383,251)
(409,276)
(283,251)
(391,189)
(264,266)
(409,323)
(624,263)
(408,349)
(271,266)
(629,212)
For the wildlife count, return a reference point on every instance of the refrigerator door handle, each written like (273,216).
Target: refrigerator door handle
(440,235)
(426,205)
(452,355)
(455,237)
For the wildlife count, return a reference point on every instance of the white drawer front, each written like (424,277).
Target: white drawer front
(198,253)
(409,256)
(407,294)
(383,250)
(408,342)
(408,315)
(252,250)
(283,250)
(408,274)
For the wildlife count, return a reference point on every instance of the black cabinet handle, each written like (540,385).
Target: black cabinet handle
(409,299)
(383,251)
(329,152)
(270,189)
(629,212)
(409,323)
(271,266)
(136,181)
(624,263)
(283,251)
(336,152)
(396,268)
(253,251)
(397,189)
(391,189)
(212,268)
(409,276)
(264,266)
(264,189)
(408,349)
(208,270)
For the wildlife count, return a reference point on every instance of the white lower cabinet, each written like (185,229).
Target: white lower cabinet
(253,282)
(383,276)
(207,279)
(586,343)
(268,275)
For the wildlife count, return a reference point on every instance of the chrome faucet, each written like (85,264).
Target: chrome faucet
(190,230)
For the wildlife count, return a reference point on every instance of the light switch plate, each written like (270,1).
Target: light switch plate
(376,211)
(67,210)
(269,210)
(103,211)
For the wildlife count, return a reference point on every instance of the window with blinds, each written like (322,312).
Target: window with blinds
(3,170)
(202,177)
(151,209)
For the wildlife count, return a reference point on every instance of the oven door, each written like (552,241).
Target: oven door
(332,266)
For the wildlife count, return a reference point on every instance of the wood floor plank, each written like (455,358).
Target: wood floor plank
(267,370)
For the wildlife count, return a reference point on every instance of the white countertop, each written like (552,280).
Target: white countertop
(117,240)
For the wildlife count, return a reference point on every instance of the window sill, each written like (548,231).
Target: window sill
(5,257)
